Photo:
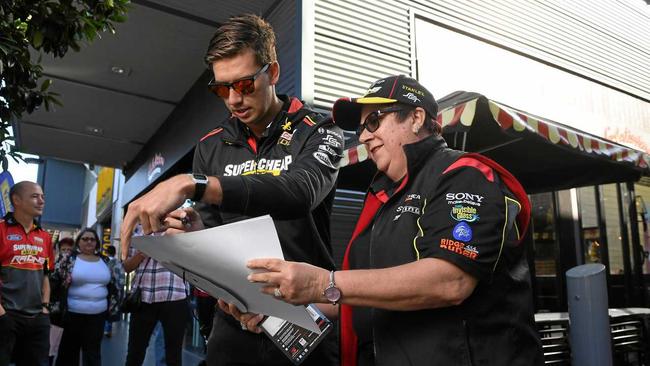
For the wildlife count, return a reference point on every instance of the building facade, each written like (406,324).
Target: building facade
(578,63)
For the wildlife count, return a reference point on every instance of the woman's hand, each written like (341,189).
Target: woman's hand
(292,282)
(248,321)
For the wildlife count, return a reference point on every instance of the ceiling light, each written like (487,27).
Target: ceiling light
(120,70)
(95,130)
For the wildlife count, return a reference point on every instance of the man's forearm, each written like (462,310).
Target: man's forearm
(133,262)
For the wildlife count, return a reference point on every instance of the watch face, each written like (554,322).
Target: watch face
(333,294)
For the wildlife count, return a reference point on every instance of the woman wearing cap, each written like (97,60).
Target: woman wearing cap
(434,273)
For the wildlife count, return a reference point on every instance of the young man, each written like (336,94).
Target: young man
(26,256)
(271,156)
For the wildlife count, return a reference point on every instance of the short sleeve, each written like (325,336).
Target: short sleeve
(464,222)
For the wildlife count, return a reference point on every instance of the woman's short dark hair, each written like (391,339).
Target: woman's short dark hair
(430,123)
(239,33)
(65,241)
(88,230)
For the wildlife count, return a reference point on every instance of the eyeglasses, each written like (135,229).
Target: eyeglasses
(371,123)
(242,86)
(88,239)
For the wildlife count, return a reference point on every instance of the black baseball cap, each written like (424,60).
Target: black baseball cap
(393,89)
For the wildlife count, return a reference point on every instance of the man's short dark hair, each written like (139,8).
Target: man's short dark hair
(238,34)
(18,189)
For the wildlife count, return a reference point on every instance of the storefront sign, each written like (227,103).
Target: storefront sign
(105,180)
(106,240)
(6,182)
(155,167)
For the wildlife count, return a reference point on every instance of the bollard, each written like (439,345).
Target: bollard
(590,335)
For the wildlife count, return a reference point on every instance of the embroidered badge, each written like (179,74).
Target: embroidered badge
(323,158)
(285,138)
(462,232)
(464,198)
(14,237)
(464,213)
(461,248)
(286,126)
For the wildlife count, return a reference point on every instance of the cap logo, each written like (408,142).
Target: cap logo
(413,90)
(412,97)
(373,90)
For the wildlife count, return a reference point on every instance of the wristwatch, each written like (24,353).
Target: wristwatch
(332,293)
(47,305)
(200,184)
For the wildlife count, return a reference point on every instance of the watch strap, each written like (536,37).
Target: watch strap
(200,185)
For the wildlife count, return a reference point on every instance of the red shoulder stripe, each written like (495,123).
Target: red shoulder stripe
(211,133)
(470,162)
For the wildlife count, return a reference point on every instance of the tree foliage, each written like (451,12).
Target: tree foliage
(42,26)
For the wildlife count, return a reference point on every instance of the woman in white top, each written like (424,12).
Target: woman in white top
(89,290)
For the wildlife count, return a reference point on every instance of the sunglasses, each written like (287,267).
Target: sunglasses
(242,86)
(371,123)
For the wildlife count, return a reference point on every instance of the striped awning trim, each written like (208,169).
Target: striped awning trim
(509,118)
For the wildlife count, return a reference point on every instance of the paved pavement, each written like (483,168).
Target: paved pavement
(114,349)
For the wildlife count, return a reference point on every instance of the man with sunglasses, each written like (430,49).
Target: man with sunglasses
(273,155)
(26,258)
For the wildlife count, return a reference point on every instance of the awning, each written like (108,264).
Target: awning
(544,155)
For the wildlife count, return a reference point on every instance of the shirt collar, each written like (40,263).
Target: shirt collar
(11,220)
(417,153)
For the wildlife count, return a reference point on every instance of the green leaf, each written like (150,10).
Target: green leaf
(37,40)
(46,84)
(56,101)
(109,3)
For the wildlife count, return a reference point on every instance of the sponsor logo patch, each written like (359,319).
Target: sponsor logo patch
(334,133)
(14,237)
(461,248)
(464,198)
(412,90)
(412,196)
(462,232)
(323,158)
(373,90)
(331,141)
(408,209)
(464,213)
(38,239)
(327,149)
(285,138)
(263,166)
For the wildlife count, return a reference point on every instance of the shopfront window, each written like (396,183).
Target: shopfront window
(591,241)
(643,222)
(544,236)
(614,239)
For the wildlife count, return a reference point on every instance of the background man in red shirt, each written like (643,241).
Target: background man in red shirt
(26,257)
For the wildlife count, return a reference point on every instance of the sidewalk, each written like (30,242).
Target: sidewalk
(114,349)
